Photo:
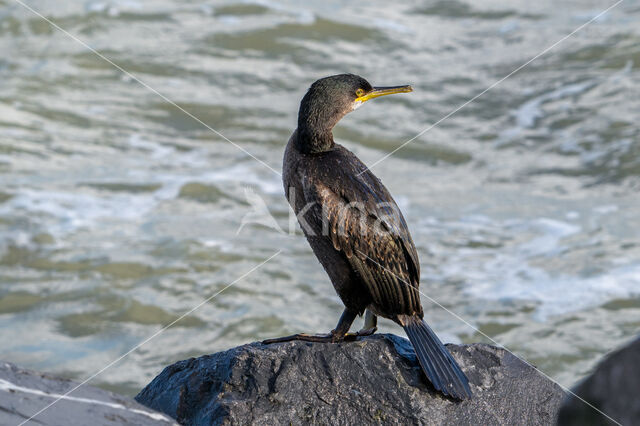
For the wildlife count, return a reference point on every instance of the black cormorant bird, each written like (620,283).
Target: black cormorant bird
(356,229)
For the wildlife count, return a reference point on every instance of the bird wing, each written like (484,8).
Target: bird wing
(363,221)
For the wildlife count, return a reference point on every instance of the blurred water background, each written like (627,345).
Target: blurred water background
(118,212)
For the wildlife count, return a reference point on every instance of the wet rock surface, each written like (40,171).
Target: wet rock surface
(376,379)
(24,392)
(613,388)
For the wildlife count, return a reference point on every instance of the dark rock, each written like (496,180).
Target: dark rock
(23,393)
(613,388)
(373,380)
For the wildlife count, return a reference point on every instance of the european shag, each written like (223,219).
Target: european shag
(356,229)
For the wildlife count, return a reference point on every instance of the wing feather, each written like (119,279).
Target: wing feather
(375,241)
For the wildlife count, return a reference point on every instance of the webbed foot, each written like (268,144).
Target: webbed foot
(320,338)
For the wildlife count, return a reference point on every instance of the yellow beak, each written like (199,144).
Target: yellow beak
(383,91)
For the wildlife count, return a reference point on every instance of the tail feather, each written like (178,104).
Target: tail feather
(436,361)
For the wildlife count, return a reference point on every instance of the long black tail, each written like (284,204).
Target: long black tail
(436,361)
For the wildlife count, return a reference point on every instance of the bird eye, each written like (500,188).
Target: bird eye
(359,92)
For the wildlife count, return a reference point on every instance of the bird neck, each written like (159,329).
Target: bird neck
(313,140)
(316,119)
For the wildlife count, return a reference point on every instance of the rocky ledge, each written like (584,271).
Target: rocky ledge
(376,379)
(24,393)
(612,388)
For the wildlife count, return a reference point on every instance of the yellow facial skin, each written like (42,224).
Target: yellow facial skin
(381,91)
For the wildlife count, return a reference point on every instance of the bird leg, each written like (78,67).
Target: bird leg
(338,334)
(370,324)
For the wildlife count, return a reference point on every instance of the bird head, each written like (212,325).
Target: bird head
(327,101)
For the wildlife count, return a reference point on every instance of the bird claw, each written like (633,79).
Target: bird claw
(331,337)
(320,338)
(367,331)
(350,337)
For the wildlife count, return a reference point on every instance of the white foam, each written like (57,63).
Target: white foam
(572,215)
(550,232)
(516,271)
(606,209)
(63,211)
(531,110)
(558,294)
(388,24)
(71,211)
(302,16)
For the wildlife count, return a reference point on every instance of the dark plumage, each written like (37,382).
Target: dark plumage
(356,229)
